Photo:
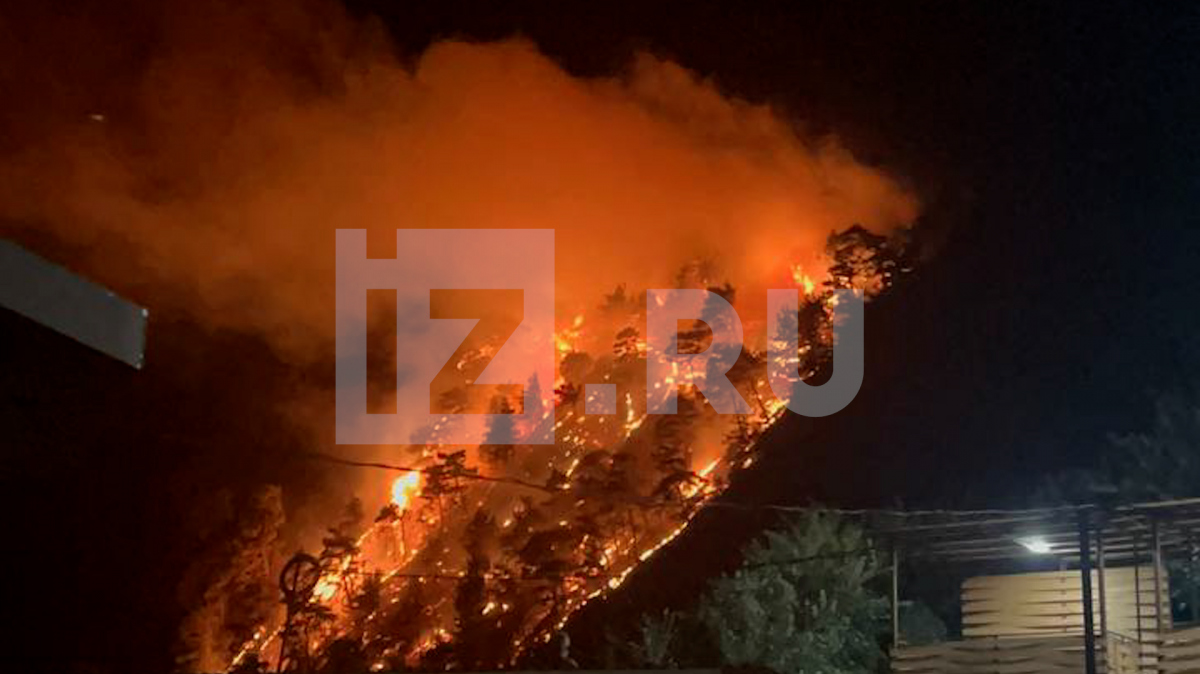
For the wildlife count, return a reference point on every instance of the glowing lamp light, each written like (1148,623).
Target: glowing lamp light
(1035,544)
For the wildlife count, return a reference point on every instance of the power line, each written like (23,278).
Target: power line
(790,561)
(713,503)
(321,456)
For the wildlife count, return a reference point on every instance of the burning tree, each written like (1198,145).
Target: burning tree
(487,564)
(231,585)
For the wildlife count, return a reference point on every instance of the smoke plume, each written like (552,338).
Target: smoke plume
(211,151)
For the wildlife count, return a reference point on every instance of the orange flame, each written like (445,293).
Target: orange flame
(803,280)
(564,340)
(404,488)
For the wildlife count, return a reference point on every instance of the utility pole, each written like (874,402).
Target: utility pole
(1085,578)
(895,596)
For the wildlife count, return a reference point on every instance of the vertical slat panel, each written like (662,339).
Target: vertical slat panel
(1051,603)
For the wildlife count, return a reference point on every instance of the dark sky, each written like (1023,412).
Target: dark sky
(1057,146)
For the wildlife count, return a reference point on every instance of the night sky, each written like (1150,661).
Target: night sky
(1057,148)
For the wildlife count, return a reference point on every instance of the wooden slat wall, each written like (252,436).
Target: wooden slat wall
(1036,655)
(1179,652)
(1050,603)
(1126,656)
(1031,655)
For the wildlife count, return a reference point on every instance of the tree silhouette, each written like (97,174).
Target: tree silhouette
(475,645)
(443,480)
(1159,464)
(801,602)
(501,436)
(674,434)
(865,261)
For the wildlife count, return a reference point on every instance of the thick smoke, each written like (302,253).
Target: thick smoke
(224,145)
(202,156)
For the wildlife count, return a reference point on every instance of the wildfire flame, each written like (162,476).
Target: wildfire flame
(478,135)
(404,488)
(803,280)
(618,551)
(565,339)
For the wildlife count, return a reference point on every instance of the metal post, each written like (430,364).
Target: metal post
(1085,579)
(1137,585)
(1100,578)
(1158,618)
(895,596)
(1194,594)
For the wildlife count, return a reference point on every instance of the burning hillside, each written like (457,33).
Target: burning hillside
(217,176)
(482,551)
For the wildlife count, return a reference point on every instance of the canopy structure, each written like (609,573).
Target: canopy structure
(1121,532)
(1087,537)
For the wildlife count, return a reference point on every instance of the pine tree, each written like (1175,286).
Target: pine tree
(865,261)
(801,602)
(619,302)
(501,436)
(739,441)
(443,479)
(474,640)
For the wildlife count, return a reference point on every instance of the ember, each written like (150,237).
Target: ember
(524,536)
